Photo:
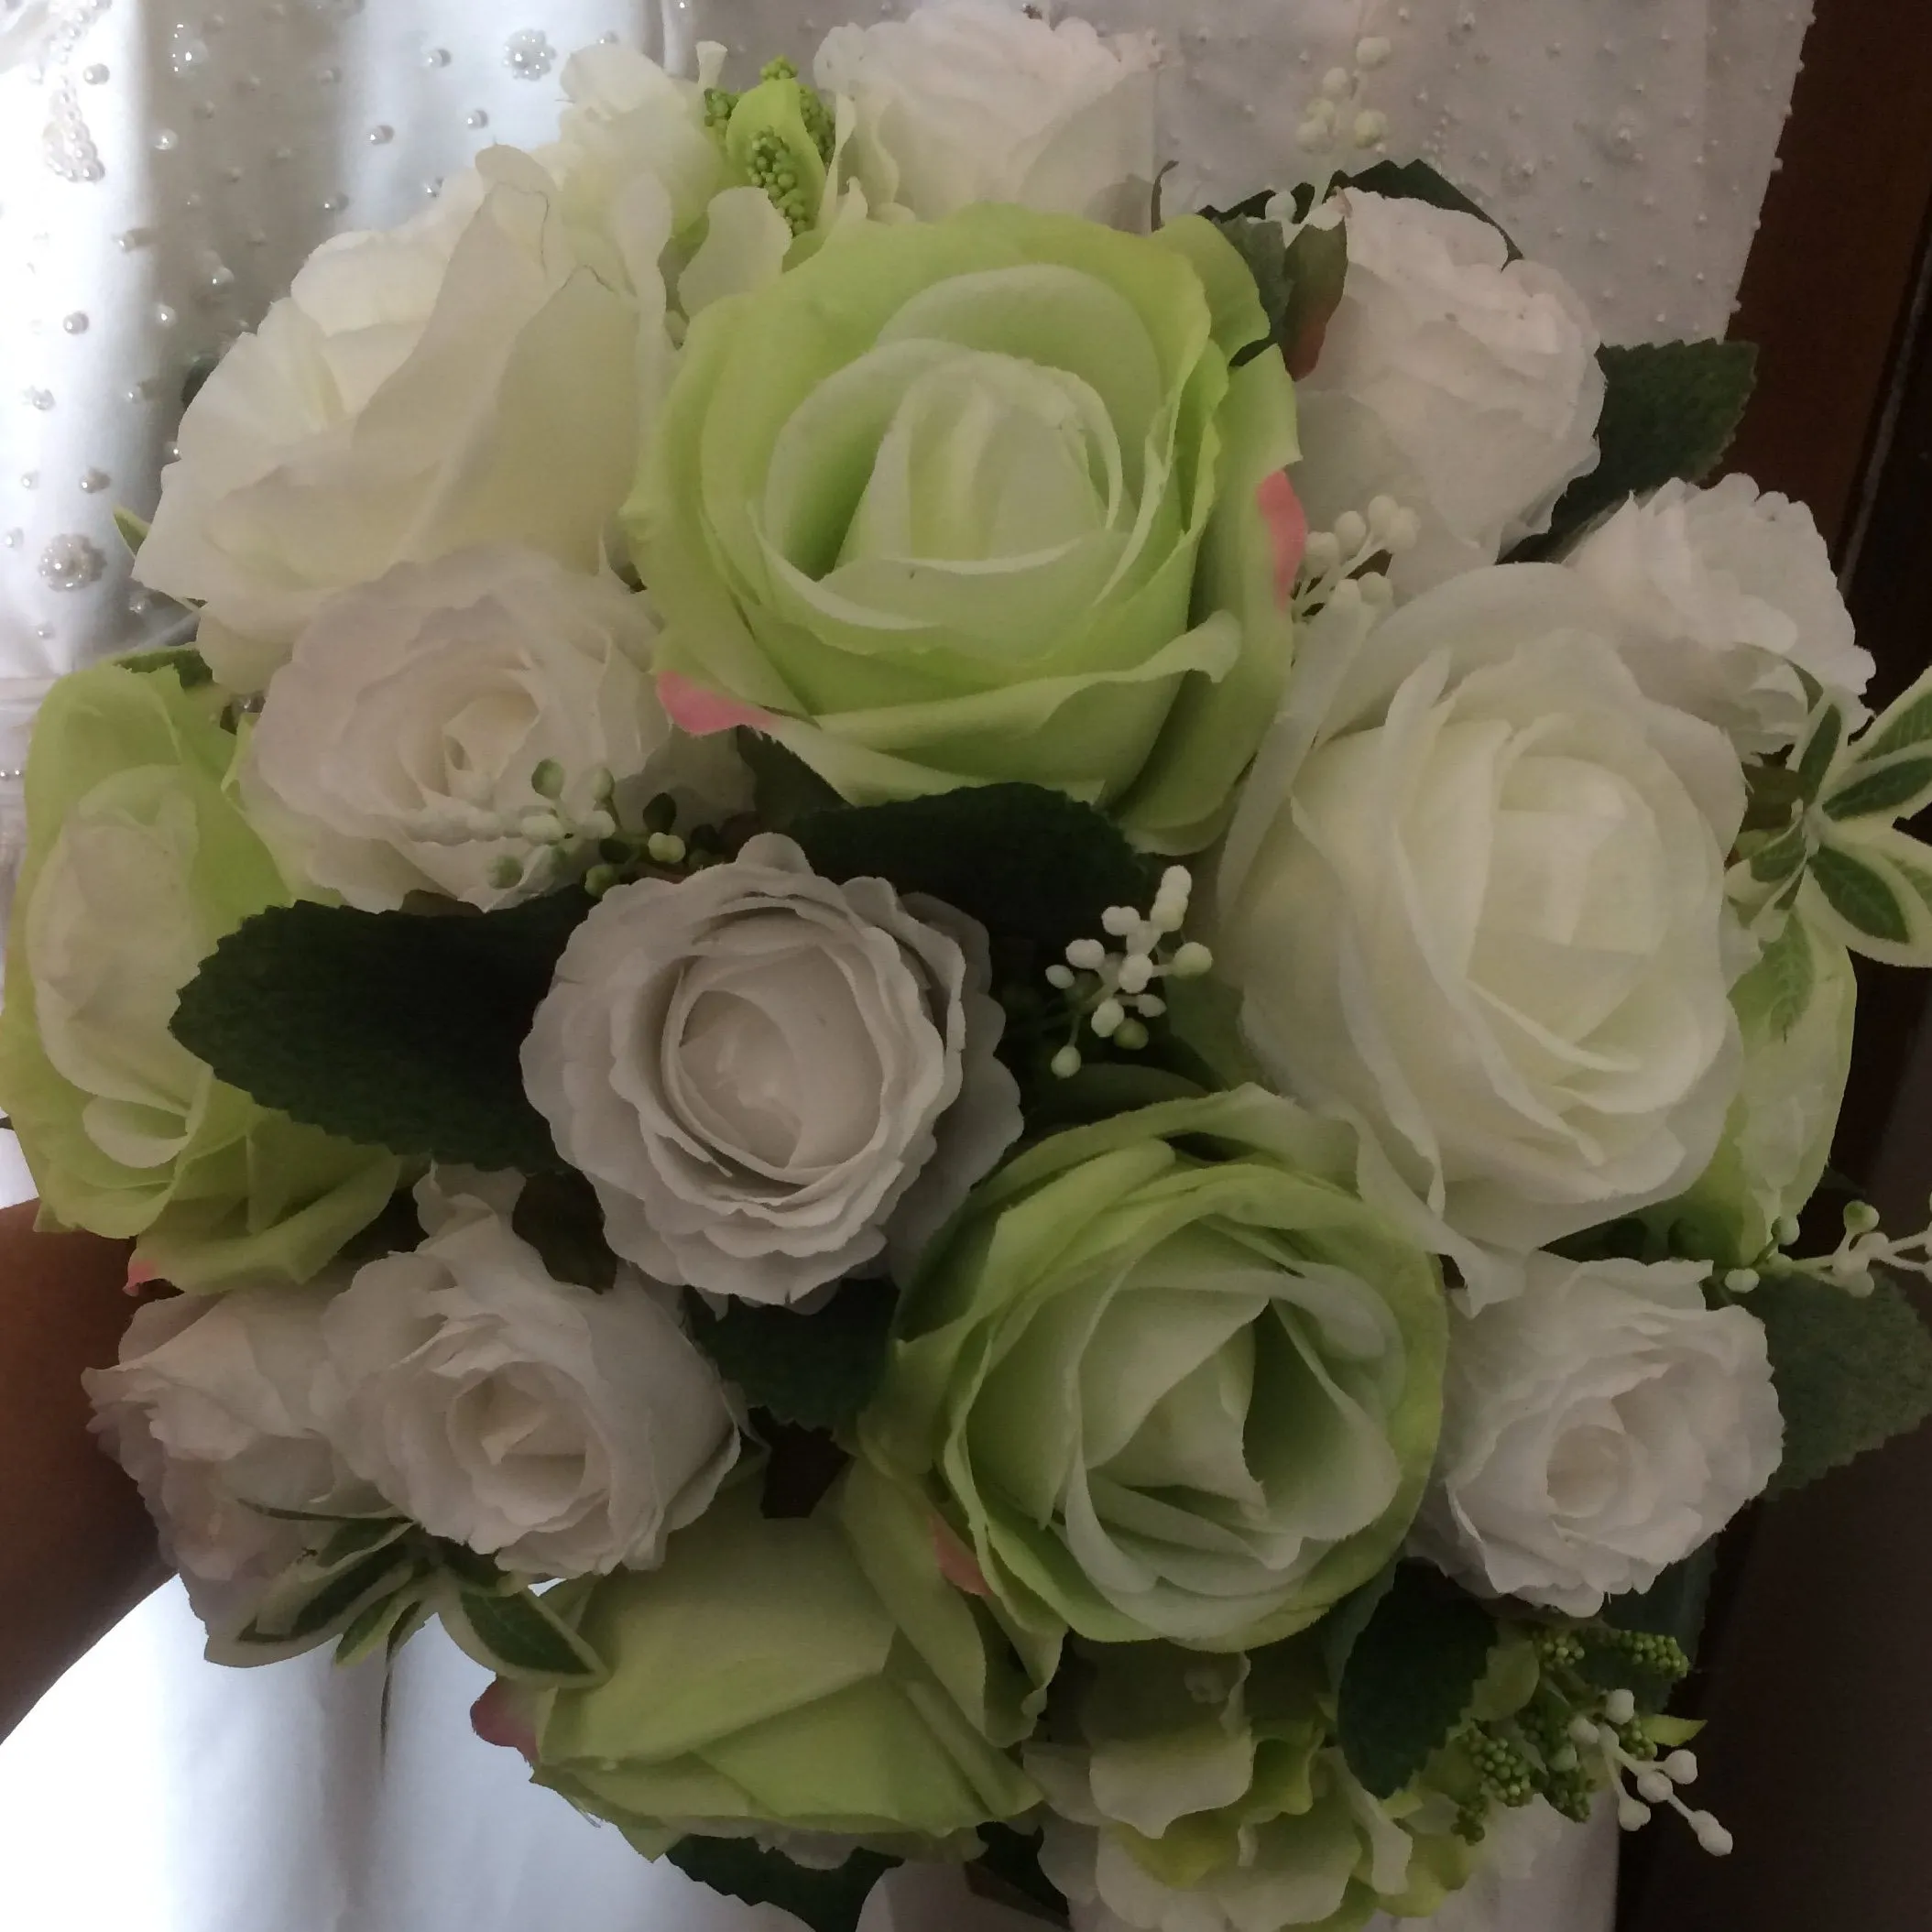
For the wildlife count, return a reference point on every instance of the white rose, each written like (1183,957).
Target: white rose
(1484,917)
(465,378)
(1726,597)
(395,750)
(767,1076)
(211,1410)
(1463,385)
(975,101)
(1598,1429)
(561,1431)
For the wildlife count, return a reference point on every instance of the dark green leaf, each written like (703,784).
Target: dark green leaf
(1860,896)
(396,1030)
(186,663)
(1101,1089)
(1007,1871)
(801,1466)
(825,1901)
(337,1600)
(1789,970)
(1671,411)
(1851,1374)
(1827,733)
(558,1215)
(815,1370)
(1905,724)
(1674,1606)
(352,1539)
(784,788)
(1784,857)
(1410,1677)
(517,1637)
(1342,1628)
(1025,862)
(1300,283)
(377,1626)
(1888,791)
(1417,181)
(1776,795)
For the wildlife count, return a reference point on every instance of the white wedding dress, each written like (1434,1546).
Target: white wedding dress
(164,168)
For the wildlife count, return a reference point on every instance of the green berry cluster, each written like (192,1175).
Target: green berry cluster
(772,167)
(655,850)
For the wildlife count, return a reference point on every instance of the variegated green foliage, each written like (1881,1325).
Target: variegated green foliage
(1833,849)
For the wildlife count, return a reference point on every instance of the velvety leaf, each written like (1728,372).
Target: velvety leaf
(1671,411)
(1025,862)
(825,1901)
(558,1215)
(784,788)
(1411,1676)
(1417,181)
(395,1030)
(1008,1873)
(1850,1373)
(186,663)
(1674,1605)
(816,1371)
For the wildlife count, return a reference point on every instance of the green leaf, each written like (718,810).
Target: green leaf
(396,1030)
(517,1637)
(1674,1605)
(1008,1873)
(131,529)
(1342,1628)
(1821,746)
(1300,283)
(784,788)
(825,1901)
(335,1603)
(1671,411)
(186,663)
(354,1539)
(377,1627)
(816,1371)
(558,1215)
(1788,971)
(1025,862)
(1850,1373)
(1411,1676)
(1784,857)
(1417,181)
(1906,723)
(1860,896)
(1894,791)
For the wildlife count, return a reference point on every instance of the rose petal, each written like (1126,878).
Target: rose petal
(703,714)
(496,1719)
(1287,524)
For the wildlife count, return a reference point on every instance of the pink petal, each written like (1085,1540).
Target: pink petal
(496,1719)
(1287,524)
(703,714)
(957,1564)
(140,1275)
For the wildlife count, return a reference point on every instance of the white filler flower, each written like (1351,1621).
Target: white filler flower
(1598,1429)
(396,749)
(1726,597)
(212,1411)
(975,101)
(1485,917)
(1462,385)
(469,376)
(765,1075)
(563,1432)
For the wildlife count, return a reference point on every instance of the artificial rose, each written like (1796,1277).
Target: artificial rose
(1729,600)
(982,499)
(1778,1143)
(771,1079)
(975,101)
(138,862)
(561,1431)
(1484,915)
(396,749)
(1193,1794)
(1598,1429)
(781,1677)
(1461,384)
(1169,1391)
(211,1410)
(468,377)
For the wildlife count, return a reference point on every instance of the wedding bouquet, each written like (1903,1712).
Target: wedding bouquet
(1001,1016)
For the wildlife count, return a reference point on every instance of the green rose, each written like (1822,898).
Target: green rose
(790,1676)
(1777,1140)
(981,500)
(137,862)
(1176,1379)
(1208,1792)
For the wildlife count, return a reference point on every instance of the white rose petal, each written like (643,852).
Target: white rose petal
(1599,1429)
(561,1431)
(424,702)
(975,101)
(467,377)
(211,1410)
(1461,384)
(1483,917)
(769,1077)
(1725,597)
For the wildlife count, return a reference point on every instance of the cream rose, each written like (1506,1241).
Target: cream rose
(211,1410)
(976,101)
(1598,1429)
(1484,917)
(1461,384)
(767,1076)
(1726,597)
(396,749)
(563,1432)
(472,376)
